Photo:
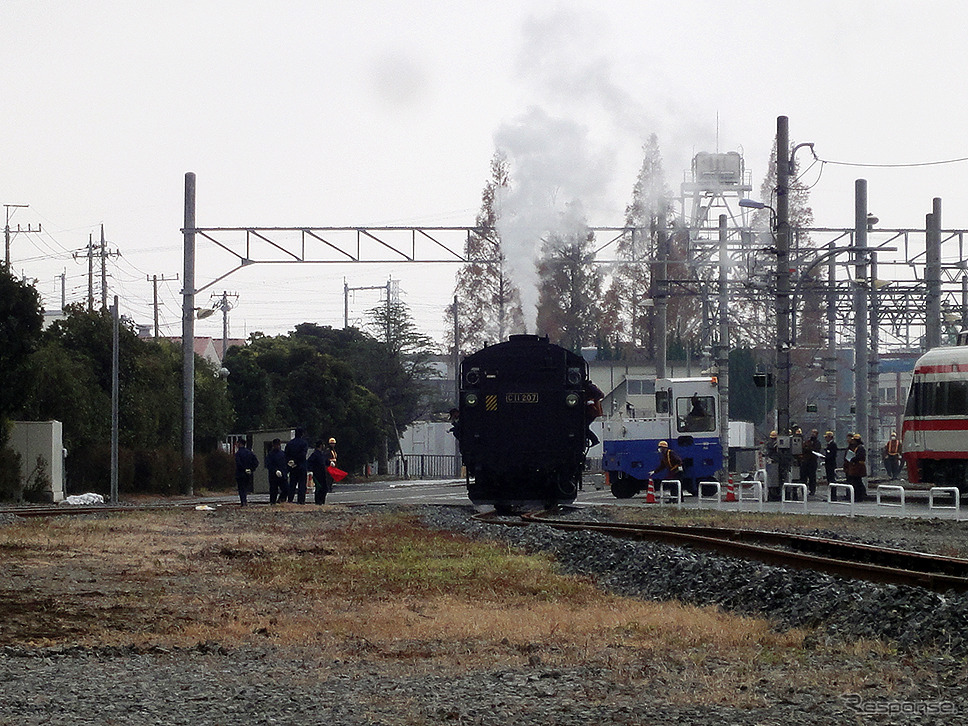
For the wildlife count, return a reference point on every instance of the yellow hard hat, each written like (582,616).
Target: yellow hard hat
(664,443)
(332,441)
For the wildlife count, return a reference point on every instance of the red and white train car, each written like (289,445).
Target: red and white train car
(934,434)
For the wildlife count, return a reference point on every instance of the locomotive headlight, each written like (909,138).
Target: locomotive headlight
(473,377)
(574,376)
(571,400)
(470,399)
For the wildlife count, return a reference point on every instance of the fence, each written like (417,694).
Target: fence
(445,466)
(424,466)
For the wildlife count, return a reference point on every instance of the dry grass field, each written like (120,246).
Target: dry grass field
(353,584)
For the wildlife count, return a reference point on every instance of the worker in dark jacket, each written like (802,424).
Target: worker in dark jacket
(593,409)
(276,466)
(855,466)
(296,451)
(830,457)
(671,464)
(317,463)
(809,461)
(245,463)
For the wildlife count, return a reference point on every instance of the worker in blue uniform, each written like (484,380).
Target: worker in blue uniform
(278,478)
(245,463)
(296,451)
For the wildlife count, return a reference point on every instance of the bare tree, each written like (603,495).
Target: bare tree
(570,290)
(488,303)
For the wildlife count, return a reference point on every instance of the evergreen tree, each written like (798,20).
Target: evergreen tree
(625,315)
(399,370)
(21,320)
(756,320)
(570,287)
(488,303)
(308,379)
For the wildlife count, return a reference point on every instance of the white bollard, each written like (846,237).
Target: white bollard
(676,485)
(945,491)
(794,487)
(756,487)
(717,492)
(890,490)
(850,495)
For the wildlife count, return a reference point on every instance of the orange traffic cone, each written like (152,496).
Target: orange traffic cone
(730,492)
(650,494)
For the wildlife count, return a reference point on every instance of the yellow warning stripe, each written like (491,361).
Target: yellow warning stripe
(490,402)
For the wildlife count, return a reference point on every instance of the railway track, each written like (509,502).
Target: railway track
(54,510)
(836,557)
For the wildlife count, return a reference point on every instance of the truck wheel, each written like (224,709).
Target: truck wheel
(623,487)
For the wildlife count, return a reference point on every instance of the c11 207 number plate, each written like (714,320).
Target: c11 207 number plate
(521,397)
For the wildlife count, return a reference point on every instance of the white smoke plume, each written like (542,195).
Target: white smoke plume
(555,172)
(574,152)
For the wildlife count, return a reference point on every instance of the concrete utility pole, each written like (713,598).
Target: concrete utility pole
(783,295)
(873,433)
(104,272)
(661,297)
(861,345)
(722,362)
(103,253)
(932,275)
(154,280)
(188,340)
(8,233)
(90,273)
(830,360)
(115,397)
(456,360)
(224,305)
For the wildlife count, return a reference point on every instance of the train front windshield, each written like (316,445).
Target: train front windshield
(696,413)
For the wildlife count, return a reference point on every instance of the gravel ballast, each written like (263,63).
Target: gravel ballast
(847,609)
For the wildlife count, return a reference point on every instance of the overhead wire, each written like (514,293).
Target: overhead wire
(893,166)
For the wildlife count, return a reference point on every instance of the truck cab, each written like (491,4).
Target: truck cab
(682,411)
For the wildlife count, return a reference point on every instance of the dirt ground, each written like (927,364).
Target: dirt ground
(364,584)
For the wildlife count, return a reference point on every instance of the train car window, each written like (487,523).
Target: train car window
(696,413)
(957,398)
(662,401)
(634,387)
(926,398)
(914,398)
(934,399)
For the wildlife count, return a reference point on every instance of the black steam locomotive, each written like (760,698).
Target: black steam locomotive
(522,423)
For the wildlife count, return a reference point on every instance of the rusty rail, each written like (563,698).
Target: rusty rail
(836,557)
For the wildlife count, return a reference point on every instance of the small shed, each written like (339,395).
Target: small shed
(261,445)
(41,448)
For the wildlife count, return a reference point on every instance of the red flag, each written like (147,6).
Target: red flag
(337,474)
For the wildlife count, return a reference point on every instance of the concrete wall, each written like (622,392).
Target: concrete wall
(429,437)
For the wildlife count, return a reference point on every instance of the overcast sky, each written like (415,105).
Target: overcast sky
(388,113)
